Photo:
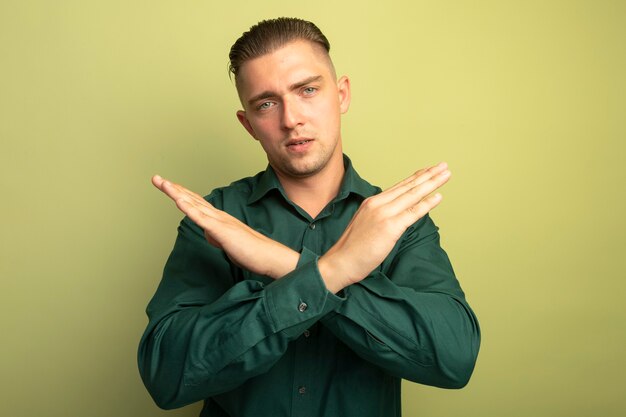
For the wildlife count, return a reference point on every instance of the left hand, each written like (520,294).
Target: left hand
(378,224)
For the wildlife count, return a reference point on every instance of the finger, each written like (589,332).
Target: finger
(414,180)
(408,179)
(199,214)
(413,196)
(157,181)
(421,175)
(169,187)
(176,191)
(184,198)
(164,185)
(416,212)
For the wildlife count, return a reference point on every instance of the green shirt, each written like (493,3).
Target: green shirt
(249,345)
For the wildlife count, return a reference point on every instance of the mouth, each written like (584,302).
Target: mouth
(299,145)
(298,142)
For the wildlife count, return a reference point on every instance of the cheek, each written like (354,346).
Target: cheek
(329,116)
(264,126)
(322,113)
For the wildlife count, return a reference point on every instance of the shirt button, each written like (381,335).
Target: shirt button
(312,226)
(307,333)
(302,390)
(302,307)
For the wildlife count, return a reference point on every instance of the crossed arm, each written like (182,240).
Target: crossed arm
(369,238)
(210,338)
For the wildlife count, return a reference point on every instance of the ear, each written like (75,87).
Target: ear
(343,87)
(241,116)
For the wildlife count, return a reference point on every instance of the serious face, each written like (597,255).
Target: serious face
(292,106)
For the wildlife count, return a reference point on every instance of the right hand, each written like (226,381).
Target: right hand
(244,246)
(378,224)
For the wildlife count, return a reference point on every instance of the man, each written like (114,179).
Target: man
(304,290)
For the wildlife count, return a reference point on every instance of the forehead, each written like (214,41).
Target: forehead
(282,67)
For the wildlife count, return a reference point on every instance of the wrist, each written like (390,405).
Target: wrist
(284,260)
(332,275)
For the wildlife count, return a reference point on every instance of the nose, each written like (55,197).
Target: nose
(291,115)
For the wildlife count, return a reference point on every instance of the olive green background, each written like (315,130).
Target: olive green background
(526,101)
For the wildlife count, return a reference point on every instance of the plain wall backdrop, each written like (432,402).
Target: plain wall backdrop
(526,101)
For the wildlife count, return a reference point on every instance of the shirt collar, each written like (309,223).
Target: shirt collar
(351,183)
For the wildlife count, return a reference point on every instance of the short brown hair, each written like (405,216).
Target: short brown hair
(269,35)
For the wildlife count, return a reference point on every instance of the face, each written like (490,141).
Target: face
(292,106)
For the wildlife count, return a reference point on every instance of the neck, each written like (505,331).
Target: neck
(313,193)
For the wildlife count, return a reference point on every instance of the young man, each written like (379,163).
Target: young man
(304,290)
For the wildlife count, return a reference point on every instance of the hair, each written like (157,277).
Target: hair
(270,35)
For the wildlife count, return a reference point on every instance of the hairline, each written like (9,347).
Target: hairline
(316,45)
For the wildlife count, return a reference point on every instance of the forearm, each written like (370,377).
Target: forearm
(196,346)
(409,316)
(180,361)
(200,351)
(430,338)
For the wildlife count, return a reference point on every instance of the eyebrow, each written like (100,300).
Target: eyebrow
(294,86)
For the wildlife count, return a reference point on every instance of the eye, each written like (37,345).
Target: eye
(309,91)
(265,105)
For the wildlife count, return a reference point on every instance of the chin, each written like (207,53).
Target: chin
(303,170)
(303,166)
(302,173)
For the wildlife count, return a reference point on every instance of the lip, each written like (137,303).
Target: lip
(298,141)
(299,145)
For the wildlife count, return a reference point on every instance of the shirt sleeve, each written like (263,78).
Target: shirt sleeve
(410,316)
(210,329)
